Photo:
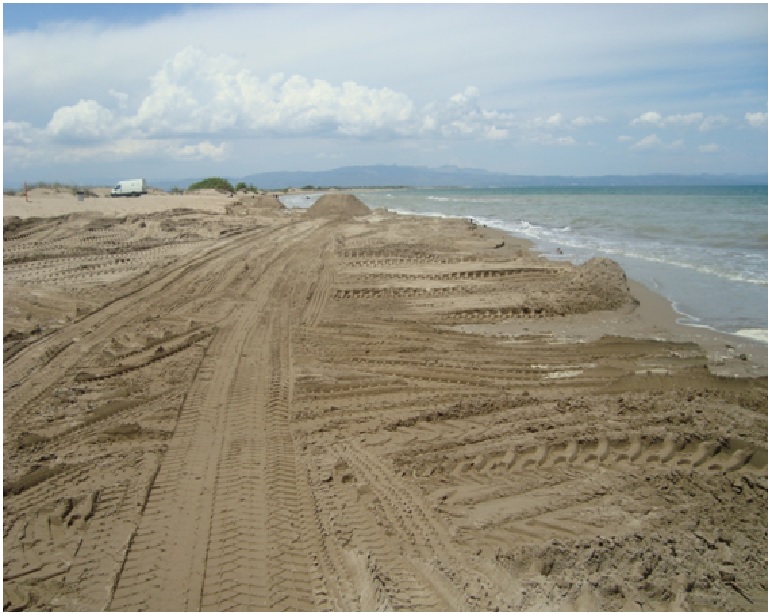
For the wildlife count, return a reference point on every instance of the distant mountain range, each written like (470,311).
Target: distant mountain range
(452,176)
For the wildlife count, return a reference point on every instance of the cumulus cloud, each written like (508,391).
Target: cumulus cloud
(194,93)
(709,148)
(650,117)
(704,123)
(17,133)
(550,121)
(554,120)
(757,119)
(652,141)
(687,119)
(582,121)
(85,120)
(203,150)
(197,94)
(461,116)
(195,100)
(550,139)
(713,121)
(493,133)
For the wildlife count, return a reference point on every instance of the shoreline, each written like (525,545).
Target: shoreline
(654,317)
(713,280)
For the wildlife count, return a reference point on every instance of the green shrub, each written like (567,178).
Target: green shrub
(241,186)
(213,183)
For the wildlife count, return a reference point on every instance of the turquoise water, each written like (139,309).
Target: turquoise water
(705,249)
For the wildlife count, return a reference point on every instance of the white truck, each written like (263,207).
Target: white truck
(130,187)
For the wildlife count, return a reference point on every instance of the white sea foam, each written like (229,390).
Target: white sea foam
(758,334)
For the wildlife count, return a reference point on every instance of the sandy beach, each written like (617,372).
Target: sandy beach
(216,403)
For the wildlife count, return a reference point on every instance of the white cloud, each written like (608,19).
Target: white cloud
(493,133)
(709,148)
(649,117)
(550,139)
(462,117)
(713,121)
(200,151)
(17,133)
(468,96)
(623,138)
(705,123)
(86,119)
(195,99)
(758,119)
(547,122)
(652,141)
(648,142)
(194,93)
(582,121)
(198,94)
(554,120)
(683,120)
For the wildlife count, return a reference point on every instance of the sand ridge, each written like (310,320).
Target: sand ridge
(213,404)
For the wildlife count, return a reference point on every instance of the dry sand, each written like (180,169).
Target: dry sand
(212,403)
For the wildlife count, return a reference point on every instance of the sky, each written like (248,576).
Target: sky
(94,93)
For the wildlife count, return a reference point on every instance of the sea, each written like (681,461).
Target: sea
(704,248)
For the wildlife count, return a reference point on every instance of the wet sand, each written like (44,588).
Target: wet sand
(213,403)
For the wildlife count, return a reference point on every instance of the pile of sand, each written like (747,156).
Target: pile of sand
(264,201)
(338,205)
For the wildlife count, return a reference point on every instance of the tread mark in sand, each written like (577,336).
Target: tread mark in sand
(654,453)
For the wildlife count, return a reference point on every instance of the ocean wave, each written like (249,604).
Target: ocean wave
(446,216)
(758,334)
(676,256)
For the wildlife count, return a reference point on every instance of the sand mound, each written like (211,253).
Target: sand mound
(338,205)
(271,202)
(259,204)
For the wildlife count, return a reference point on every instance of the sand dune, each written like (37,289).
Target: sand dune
(214,403)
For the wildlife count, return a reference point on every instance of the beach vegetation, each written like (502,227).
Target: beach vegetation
(57,188)
(213,183)
(241,186)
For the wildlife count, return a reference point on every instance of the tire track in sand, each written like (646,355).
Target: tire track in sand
(217,532)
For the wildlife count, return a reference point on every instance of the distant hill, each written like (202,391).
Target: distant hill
(452,176)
